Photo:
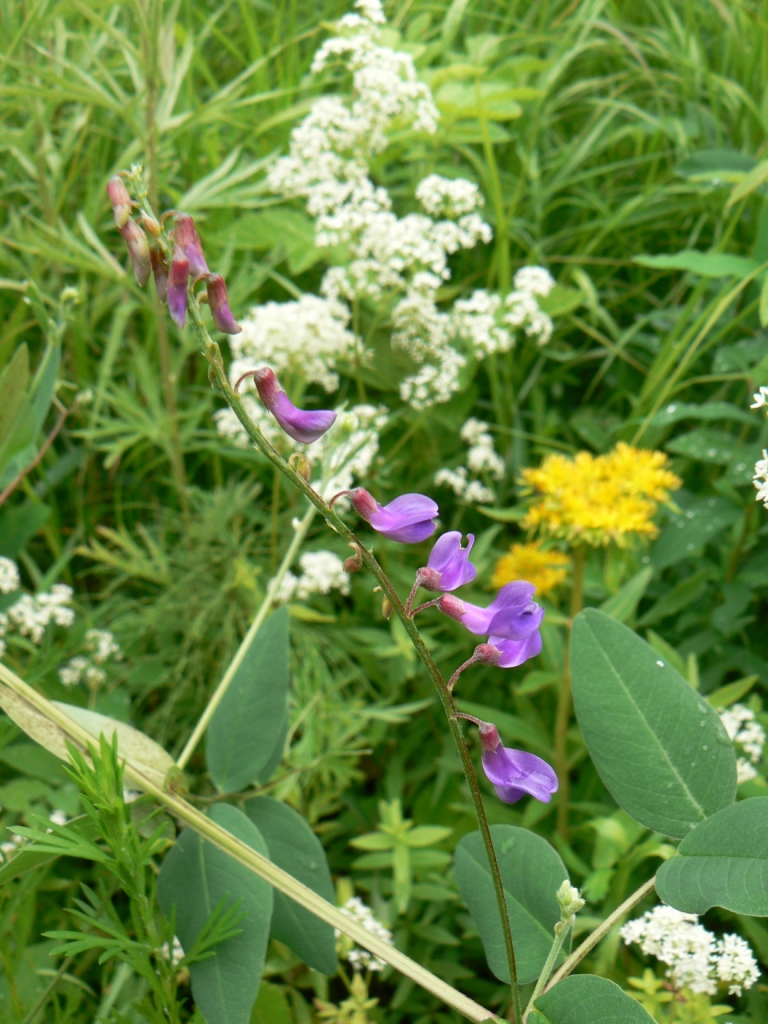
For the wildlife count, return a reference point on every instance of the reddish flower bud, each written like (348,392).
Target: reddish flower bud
(188,241)
(120,199)
(487,654)
(489,737)
(408,519)
(219,303)
(177,289)
(150,225)
(138,250)
(160,273)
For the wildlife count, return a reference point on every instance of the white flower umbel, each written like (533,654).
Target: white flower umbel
(101,647)
(760,398)
(31,616)
(305,338)
(448,197)
(695,958)
(9,576)
(361,959)
(748,737)
(321,573)
(535,280)
(482,460)
(760,479)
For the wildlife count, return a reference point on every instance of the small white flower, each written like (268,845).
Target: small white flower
(747,735)
(355,909)
(9,576)
(760,398)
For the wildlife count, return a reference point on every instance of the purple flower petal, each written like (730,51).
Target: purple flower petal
(511,615)
(515,773)
(300,424)
(408,519)
(515,652)
(178,282)
(219,305)
(451,562)
(188,242)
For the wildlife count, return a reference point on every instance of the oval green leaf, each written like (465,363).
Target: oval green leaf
(532,872)
(587,999)
(250,721)
(722,863)
(660,749)
(194,878)
(294,847)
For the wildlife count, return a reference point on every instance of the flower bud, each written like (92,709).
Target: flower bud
(178,283)
(150,225)
(219,303)
(355,562)
(302,464)
(120,200)
(489,737)
(160,273)
(386,608)
(138,250)
(569,898)
(452,606)
(188,241)
(428,578)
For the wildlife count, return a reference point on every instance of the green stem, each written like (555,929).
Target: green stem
(218,377)
(561,931)
(601,931)
(50,725)
(242,650)
(563,713)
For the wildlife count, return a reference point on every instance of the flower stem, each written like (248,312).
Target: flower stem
(561,931)
(261,614)
(563,712)
(218,377)
(601,931)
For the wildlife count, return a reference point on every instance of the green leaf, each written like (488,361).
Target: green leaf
(660,749)
(731,692)
(751,181)
(294,847)
(719,411)
(531,871)
(148,756)
(587,999)
(707,264)
(194,878)
(722,165)
(271,1007)
(700,521)
(622,605)
(560,300)
(19,524)
(763,310)
(44,383)
(722,863)
(251,718)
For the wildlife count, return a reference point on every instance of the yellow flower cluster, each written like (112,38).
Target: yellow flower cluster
(599,498)
(545,569)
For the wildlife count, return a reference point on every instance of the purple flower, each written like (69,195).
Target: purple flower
(219,303)
(512,615)
(515,772)
(448,566)
(160,272)
(514,652)
(409,518)
(188,242)
(301,425)
(177,288)
(138,250)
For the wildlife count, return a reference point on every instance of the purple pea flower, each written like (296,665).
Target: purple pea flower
(300,424)
(514,652)
(138,250)
(188,242)
(178,282)
(219,304)
(512,615)
(160,272)
(408,519)
(515,772)
(448,566)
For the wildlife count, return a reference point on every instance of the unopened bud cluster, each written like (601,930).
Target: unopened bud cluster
(173,258)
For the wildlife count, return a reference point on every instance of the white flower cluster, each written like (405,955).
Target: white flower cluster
(9,576)
(355,909)
(487,325)
(101,647)
(760,477)
(321,572)
(695,958)
(747,733)
(174,955)
(482,460)
(30,616)
(345,453)
(306,338)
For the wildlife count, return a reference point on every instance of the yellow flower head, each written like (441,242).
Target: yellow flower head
(599,498)
(544,569)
